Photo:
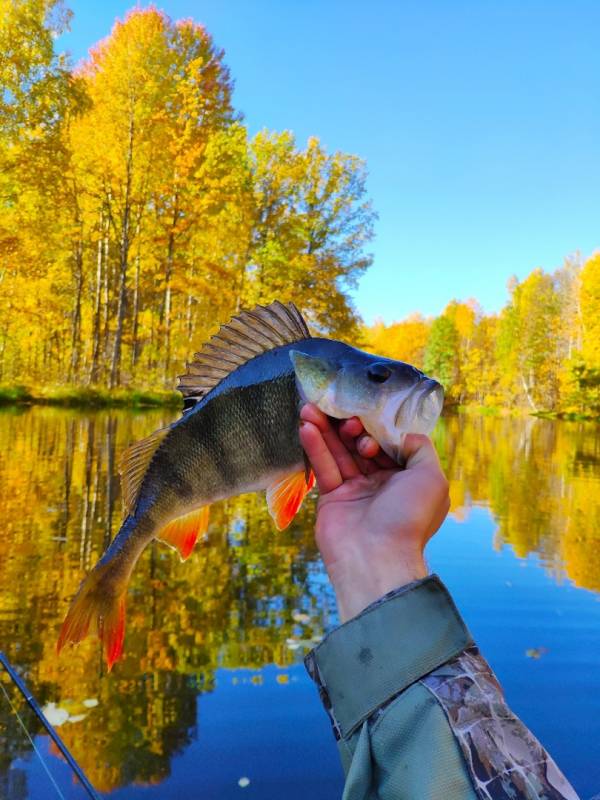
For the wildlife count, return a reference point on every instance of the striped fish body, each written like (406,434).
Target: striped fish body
(239,438)
(240,435)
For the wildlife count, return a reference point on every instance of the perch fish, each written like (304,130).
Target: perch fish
(245,388)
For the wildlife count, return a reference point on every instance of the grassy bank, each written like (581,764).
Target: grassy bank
(99,397)
(88,397)
(498,411)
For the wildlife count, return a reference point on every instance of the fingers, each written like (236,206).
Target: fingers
(322,461)
(418,450)
(366,446)
(368,450)
(343,458)
(351,428)
(353,450)
(361,445)
(421,455)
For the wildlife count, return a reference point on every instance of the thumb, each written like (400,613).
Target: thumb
(419,451)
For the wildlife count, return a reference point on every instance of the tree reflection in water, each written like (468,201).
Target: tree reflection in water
(248,596)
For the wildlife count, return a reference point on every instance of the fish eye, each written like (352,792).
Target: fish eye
(378,373)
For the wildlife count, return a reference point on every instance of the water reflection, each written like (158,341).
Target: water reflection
(541,480)
(243,600)
(248,597)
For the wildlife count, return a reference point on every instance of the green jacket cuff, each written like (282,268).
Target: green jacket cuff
(394,642)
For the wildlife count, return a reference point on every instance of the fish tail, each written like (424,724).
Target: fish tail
(99,605)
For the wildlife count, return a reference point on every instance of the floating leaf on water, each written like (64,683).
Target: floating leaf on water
(243,782)
(299,616)
(55,715)
(536,652)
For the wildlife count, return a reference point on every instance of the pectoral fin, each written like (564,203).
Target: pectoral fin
(285,496)
(182,533)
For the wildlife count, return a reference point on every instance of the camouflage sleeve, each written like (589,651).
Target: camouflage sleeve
(418,713)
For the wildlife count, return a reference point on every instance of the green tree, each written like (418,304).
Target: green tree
(441,353)
(528,341)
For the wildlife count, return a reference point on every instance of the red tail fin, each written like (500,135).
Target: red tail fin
(97,608)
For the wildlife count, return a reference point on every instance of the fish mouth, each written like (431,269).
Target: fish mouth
(429,404)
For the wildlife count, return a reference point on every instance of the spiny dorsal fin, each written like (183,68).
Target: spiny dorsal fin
(133,465)
(246,336)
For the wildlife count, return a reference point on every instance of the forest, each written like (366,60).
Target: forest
(540,353)
(137,213)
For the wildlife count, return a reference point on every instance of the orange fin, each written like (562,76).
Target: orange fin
(285,496)
(182,533)
(97,608)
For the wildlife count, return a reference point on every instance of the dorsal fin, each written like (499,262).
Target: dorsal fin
(133,465)
(246,336)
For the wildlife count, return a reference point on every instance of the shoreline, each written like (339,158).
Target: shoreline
(98,398)
(88,397)
(520,411)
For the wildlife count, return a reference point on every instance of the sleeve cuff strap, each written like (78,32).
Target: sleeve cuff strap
(390,645)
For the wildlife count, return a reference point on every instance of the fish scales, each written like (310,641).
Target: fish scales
(247,385)
(238,438)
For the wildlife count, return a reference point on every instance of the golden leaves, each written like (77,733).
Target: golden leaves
(149,215)
(541,353)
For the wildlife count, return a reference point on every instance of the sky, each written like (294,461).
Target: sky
(479,122)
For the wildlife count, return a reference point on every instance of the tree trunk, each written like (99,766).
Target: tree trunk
(167,305)
(106,303)
(111,430)
(167,297)
(115,369)
(528,394)
(136,306)
(76,316)
(188,316)
(100,267)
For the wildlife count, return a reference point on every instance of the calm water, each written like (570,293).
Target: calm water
(212,689)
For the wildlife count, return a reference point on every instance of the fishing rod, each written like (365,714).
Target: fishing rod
(33,704)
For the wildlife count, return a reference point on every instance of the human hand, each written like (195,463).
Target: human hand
(374,518)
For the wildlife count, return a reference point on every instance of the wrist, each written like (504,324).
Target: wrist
(362,583)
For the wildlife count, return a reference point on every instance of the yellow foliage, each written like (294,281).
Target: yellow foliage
(404,340)
(590,312)
(541,353)
(144,216)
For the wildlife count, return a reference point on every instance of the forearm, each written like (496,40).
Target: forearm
(417,711)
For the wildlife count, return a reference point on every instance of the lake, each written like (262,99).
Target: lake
(211,699)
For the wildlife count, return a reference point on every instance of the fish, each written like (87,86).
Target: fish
(238,433)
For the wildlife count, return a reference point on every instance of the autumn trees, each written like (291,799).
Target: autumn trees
(542,352)
(136,212)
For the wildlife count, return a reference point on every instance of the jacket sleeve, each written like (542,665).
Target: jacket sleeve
(417,712)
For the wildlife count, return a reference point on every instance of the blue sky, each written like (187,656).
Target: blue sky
(479,122)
